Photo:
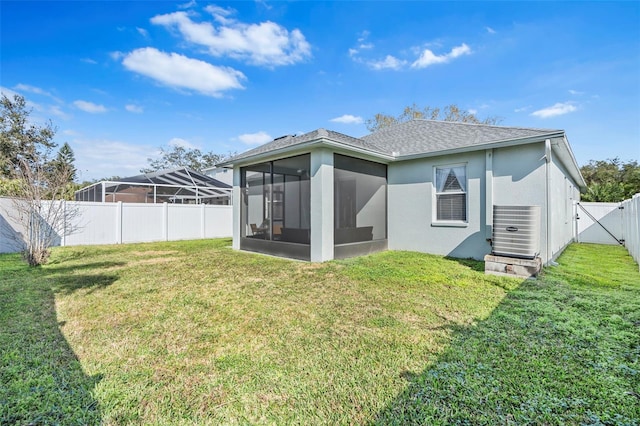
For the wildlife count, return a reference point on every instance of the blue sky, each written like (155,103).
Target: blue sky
(121,79)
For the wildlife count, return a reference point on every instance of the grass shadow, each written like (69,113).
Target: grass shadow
(90,283)
(41,378)
(474,265)
(553,352)
(66,280)
(62,270)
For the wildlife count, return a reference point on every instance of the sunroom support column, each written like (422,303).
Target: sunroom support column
(236,198)
(321,205)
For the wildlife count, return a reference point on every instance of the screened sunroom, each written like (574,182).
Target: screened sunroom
(284,206)
(276,207)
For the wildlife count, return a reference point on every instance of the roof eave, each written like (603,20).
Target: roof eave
(567,158)
(482,146)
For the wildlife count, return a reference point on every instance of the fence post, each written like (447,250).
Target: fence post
(119,222)
(63,240)
(635,204)
(165,221)
(203,232)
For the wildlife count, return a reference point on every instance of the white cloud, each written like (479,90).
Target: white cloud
(575,92)
(472,111)
(182,142)
(363,44)
(264,4)
(125,159)
(187,5)
(144,33)
(8,92)
(36,90)
(32,89)
(89,61)
(89,107)
(522,109)
(116,56)
(255,138)
(347,119)
(428,58)
(58,112)
(555,110)
(390,62)
(42,111)
(180,72)
(137,109)
(490,30)
(363,36)
(265,43)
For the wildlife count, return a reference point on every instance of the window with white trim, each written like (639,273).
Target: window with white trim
(451,193)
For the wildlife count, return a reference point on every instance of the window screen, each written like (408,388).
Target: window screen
(451,193)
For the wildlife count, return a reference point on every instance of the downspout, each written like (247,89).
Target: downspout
(488,191)
(547,159)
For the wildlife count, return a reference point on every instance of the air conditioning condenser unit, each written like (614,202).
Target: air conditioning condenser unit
(516,231)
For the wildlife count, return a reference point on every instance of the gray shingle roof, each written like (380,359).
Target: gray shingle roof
(409,138)
(425,136)
(292,140)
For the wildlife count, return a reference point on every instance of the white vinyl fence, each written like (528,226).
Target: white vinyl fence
(631,226)
(599,223)
(608,223)
(118,223)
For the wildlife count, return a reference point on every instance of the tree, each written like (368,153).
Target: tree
(179,156)
(65,159)
(18,139)
(611,180)
(37,187)
(449,113)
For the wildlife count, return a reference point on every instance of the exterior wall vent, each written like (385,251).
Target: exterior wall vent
(516,231)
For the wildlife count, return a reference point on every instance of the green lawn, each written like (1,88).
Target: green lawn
(195,333)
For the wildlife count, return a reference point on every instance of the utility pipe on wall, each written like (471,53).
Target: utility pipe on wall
(488,191)
(547,159)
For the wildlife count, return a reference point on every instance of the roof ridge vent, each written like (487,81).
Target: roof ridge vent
(283,137)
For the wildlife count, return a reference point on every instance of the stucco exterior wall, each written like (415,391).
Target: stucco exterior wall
(563,193)
(411,192)
(507,176)
(519,175)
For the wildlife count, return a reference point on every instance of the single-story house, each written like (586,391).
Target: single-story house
(422,185)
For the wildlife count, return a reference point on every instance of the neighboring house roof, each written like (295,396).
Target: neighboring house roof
(416,138)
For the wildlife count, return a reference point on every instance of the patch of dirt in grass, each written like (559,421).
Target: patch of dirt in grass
(411,318)
(309,266)
(153,261)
